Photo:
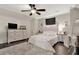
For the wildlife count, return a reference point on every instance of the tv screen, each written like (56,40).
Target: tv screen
(12,26)
(50,21)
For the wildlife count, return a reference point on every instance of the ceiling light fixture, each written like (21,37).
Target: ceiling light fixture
(33,11)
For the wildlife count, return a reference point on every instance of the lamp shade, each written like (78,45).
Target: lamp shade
(61,28)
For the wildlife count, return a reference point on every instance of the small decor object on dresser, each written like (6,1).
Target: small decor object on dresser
(23,27)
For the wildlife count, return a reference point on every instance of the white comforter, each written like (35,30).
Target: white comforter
(44,41)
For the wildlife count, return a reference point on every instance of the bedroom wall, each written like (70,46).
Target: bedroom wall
(74,15)
(37,25)
(12,17)
(61,19)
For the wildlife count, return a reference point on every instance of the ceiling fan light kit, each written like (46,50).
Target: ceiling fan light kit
(33,10)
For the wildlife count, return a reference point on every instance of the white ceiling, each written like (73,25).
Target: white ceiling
(51,9)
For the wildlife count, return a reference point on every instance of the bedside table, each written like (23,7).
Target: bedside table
(61,37)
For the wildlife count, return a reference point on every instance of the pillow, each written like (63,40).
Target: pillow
(50,28)
(49,33)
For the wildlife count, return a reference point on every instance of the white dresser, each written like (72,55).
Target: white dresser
(15,35)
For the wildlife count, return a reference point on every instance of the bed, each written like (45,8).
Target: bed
(45,40)
(48,38)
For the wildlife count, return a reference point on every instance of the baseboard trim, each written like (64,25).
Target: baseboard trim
(4,45)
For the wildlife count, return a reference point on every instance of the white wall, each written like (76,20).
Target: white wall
(74,15)
(37,25)
(12,17)
(61,19)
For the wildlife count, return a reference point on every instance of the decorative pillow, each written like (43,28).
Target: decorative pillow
(50,28)
(49,33)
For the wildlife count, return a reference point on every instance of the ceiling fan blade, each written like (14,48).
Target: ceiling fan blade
(24,10)
(32,5)
(41,10)
(30,14)
(38,13)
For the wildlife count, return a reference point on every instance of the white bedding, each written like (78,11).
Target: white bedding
(45,40)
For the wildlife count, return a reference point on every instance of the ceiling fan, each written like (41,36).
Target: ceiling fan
(33,10)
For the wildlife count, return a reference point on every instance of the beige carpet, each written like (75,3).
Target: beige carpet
(24,49)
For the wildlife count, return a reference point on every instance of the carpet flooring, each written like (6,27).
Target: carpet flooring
(28,49)
(24,49)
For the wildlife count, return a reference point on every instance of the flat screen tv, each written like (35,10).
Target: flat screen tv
(12,26)
(50,21)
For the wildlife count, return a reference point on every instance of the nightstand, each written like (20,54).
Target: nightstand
(61,37)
